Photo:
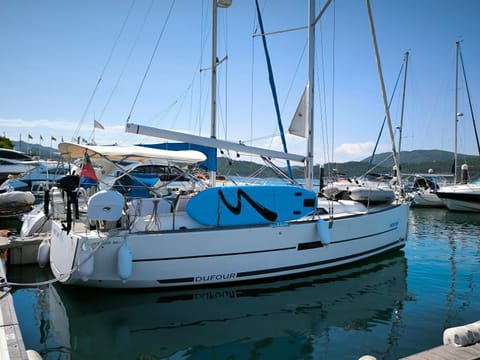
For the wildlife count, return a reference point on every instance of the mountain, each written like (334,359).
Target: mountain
(44,152)
(411,162)
(415,157)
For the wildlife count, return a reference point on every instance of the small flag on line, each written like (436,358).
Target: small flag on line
(97,125)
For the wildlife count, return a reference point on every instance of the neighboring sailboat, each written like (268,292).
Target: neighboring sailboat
(369,188)
(223,234)
(463,196)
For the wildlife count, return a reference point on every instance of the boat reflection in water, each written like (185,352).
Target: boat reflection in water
(288,315)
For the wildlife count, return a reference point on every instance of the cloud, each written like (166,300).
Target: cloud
(355,151)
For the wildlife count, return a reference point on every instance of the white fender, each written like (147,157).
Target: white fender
(462,335)
(43,253)
(3,265)
(124,262)
(85,263)
(33,355)
(323,232)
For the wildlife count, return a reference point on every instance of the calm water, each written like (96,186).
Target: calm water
(389,307)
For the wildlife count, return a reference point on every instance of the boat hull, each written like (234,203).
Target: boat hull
(426,199)
(212,256)
(464,197)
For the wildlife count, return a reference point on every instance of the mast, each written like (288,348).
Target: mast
(384,93)
(310,96)
(213,110)
(403,104)
(213,114)
(455,156)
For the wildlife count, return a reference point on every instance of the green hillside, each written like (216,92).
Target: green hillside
(411,162)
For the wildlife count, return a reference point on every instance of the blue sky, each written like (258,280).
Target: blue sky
(55,52)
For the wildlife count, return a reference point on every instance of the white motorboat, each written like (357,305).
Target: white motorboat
(14,163)
(368,190)
(38,178)
(423,191)
(461,197)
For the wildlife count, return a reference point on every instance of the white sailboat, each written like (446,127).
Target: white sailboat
(223,234)
(463,196)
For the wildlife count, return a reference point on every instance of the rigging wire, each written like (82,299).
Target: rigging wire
(135,43)
(469,100)
(150,61)
(333,78)
(252,72)
(273,86)
(385,118)
(224,17)
(77,130)
(323,114)
(140,31)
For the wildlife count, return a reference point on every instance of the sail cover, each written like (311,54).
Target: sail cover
(133,153)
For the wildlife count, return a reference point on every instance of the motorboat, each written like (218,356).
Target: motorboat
(13,163)
(38,178)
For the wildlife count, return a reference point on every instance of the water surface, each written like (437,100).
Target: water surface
(388,307)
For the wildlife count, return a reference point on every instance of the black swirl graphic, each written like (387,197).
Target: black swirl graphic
(263,211)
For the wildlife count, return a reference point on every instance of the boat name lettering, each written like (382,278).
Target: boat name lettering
(394,224)
(221,294)
(109,242)
(215,277)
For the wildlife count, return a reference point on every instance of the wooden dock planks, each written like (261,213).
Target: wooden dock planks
(448,352)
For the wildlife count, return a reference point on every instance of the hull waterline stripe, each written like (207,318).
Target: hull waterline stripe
(398,243)
(394,245)
(254,252)
(216,255)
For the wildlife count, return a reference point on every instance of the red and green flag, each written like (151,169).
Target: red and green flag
(87,169)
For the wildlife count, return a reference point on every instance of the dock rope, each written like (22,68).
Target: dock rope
(6,284)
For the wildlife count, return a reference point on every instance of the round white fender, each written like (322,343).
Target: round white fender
(85,263)
(124,262)
(43,253)
(33,355)
(323,232)
(462,335)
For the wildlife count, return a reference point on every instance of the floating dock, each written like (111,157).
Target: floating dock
(11,340)
(14,250)
(448,352)
(21,250)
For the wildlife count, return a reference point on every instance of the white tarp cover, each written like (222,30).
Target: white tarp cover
(133,153)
